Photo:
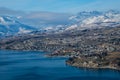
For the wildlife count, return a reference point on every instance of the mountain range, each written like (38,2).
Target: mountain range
(95,19)
(10,25)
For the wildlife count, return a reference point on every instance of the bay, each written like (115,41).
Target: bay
(33,65)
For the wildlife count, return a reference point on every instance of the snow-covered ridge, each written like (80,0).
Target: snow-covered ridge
(11,25)
(7,20)
(95,19)
(80,21)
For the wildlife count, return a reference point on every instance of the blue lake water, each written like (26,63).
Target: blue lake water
(33,65)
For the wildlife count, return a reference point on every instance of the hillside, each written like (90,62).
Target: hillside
(81,45)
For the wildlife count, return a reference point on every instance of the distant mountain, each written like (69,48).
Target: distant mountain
(10,25)
(83,15)
(83,20)
(86,20)
(95,19)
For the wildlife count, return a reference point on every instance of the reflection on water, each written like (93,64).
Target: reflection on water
(33,65)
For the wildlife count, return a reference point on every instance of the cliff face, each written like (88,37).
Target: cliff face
(88,48)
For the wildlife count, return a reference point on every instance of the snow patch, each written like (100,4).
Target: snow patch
(72,27)
(49,28)
(2,20)
(19,17)
(72,17)
(23,30)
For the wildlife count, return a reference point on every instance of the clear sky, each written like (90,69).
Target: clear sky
(60,5)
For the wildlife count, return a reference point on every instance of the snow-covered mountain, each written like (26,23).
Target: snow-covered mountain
(10,25)
(95,19)
(83,20)
(87,20)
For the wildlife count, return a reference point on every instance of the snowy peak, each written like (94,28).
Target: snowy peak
(7,20)
(105,18)
(82,20)
(95,19)
(10,25)
(91,13)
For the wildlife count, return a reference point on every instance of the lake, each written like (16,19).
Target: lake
(33,65)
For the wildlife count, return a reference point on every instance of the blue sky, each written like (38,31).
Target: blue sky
(53,12)
(66,6)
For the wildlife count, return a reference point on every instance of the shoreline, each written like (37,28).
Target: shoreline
(107,67)
(76,62)
(70,62)
(79,66)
